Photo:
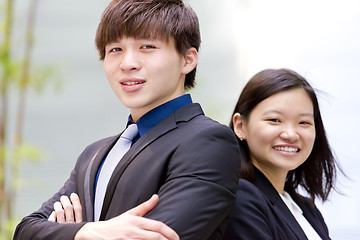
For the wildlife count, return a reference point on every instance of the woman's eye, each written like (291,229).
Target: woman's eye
(305,123)
(148,47)
(275,120)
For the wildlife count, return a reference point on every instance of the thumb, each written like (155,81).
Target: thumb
(145,207)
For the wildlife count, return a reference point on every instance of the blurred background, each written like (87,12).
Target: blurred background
(317,38)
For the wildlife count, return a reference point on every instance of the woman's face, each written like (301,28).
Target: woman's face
(280,132)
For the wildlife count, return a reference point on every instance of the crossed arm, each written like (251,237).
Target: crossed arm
(195,198)
(67,210)
(129,225)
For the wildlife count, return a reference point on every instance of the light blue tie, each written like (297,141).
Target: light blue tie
(112,160)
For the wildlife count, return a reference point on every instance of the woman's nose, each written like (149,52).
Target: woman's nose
(290,134)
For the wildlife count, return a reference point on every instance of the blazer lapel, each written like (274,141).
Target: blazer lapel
(289,219)
(185,113)
(311,216)
(267,188)
(90,176)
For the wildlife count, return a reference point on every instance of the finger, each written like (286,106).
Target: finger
(169,233)
(145,207)
(59,211)
(153,229)
(52,217)
(75,200)
(145,234)
(159,228)
(68,208)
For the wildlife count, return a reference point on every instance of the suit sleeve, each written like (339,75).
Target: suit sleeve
(200,187)
(250,219)
(36,226)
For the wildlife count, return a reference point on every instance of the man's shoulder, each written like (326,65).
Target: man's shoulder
(194,114)
(205,124)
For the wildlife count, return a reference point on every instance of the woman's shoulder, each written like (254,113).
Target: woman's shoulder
(307,204)
(253,217)
(302,200)
(247,187)
(249,195)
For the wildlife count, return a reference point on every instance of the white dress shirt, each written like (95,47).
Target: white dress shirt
(296,211)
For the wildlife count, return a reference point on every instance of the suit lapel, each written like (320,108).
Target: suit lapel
(267,188)
(90,176)
(160,129)
(289,218)
(311,216)
(183,114)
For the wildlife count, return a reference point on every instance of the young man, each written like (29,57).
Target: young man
(150,53)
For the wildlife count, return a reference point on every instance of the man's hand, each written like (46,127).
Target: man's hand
(67,210)
(129,225)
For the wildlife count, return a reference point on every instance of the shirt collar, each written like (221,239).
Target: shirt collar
(290,203)
(156,115)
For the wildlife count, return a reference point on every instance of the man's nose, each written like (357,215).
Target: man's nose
(129,61)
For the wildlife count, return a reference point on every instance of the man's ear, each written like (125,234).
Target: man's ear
(191,59)
(239,126)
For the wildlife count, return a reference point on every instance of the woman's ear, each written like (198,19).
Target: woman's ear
(239,126)
(191,59)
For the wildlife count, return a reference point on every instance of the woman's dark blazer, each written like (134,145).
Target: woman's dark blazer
(260,213)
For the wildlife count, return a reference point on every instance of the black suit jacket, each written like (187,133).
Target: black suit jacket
(260,214)
(191,161)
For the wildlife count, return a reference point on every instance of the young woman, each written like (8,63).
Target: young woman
(283,148)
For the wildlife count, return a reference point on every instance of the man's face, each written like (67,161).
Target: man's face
(145,73)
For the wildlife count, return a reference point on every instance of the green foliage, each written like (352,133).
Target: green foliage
(21,154)
(45,76)
(9,227)
(10,69)
(28,152)
(17,77)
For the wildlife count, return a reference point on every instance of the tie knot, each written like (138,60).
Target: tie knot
(130,133)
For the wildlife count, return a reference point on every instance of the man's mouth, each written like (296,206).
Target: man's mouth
(132,83)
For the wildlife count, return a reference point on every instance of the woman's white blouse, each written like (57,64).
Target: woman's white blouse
(296,211)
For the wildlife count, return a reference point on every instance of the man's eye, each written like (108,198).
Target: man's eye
(115,50)
(148,47)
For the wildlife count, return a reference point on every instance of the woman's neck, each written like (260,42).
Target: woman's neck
(276,178)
